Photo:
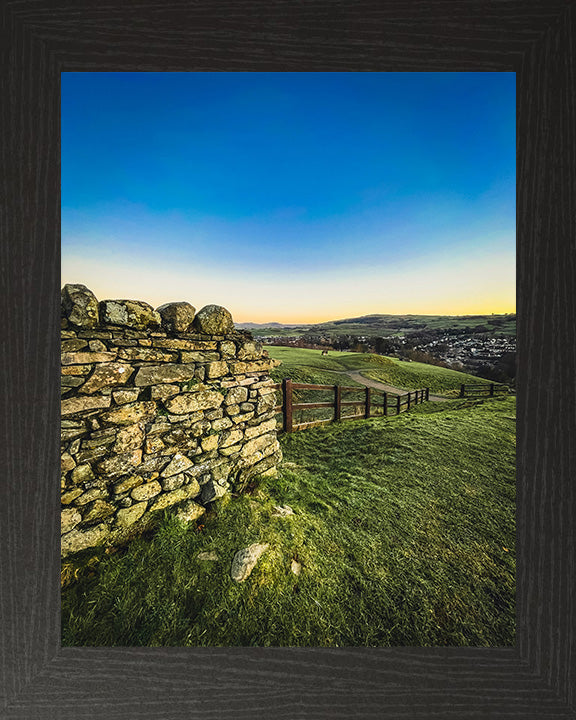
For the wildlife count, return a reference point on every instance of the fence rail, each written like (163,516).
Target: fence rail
(476,389)
(389,403)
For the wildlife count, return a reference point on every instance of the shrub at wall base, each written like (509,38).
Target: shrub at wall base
(164,408)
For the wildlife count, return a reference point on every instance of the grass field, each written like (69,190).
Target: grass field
(403,530)
(414,375)
(310,366)
(298,362)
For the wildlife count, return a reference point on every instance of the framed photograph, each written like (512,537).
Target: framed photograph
(530,676)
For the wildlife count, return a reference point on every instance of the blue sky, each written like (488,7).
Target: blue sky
(292,196)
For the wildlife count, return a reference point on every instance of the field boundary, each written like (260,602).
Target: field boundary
(399,403)
(482,389)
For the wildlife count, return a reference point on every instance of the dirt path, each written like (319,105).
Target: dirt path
(367,382)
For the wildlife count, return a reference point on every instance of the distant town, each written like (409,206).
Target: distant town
(481,345)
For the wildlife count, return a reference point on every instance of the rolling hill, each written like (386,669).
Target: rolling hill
(310,366)
(373,325)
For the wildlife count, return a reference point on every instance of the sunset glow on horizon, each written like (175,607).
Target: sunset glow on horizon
(292,197)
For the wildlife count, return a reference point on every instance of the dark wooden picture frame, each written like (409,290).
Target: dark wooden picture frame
(42,38)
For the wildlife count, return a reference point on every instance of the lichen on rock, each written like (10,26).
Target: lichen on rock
(245,561)
(79,305)
(177,316)
(214,320)
(129,313)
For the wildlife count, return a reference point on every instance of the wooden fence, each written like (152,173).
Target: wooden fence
(480,389)
(389,404)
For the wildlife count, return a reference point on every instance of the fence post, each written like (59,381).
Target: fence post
(385,404)
(491,389)
(398,405)
(427,393)
(337,402)
(408,406)
(367,404)
(462,389)
(287,391)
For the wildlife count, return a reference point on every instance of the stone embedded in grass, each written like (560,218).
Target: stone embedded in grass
(211,556)
(79,305)
(190,511)
(245,561)
(282,511)
(214,320)
(295,566)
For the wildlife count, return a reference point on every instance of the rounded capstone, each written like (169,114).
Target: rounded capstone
(214,320)
(129,313)
(177,316)
(79,305)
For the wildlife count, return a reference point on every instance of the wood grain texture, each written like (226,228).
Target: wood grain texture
(41,38)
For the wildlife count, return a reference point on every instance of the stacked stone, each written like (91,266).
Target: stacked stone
(160,408)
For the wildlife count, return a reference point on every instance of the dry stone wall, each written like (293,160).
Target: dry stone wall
(164,408)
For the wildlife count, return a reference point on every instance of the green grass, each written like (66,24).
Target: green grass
(315,374)
(403,526)
(390,371)
(415,375)
(302,357)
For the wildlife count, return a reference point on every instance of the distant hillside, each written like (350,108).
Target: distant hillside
(255,326)
(371,325)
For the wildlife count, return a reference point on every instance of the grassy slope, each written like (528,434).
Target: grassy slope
(414,375)
(409,376)
(404,528)
(310,366)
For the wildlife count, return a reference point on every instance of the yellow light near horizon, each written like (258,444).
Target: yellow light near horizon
(465,287)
